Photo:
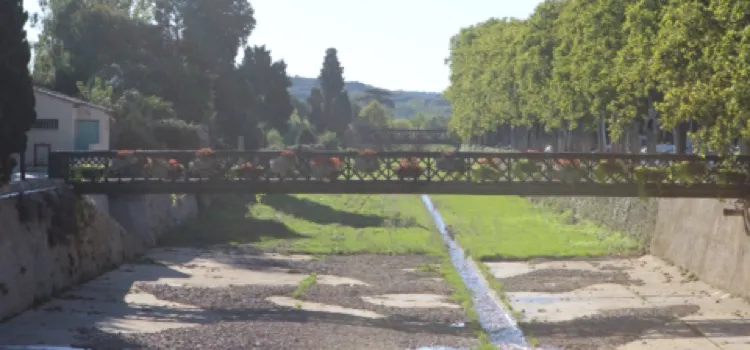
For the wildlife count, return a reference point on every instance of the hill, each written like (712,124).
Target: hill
(408,103)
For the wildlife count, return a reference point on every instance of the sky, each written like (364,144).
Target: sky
(392,44)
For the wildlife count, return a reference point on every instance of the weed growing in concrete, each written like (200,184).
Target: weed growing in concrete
(305,284)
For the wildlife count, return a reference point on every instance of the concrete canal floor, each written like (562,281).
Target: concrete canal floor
(230,298)
(639,303)
(238,299)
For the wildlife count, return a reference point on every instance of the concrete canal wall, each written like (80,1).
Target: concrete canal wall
(53,239)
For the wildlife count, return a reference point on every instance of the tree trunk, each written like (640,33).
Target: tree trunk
(680,138)
(652,131)
(634,139)
(602,133)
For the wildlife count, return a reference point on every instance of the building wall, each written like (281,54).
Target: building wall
(62,138)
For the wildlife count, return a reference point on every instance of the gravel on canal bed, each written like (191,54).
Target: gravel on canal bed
(240,316)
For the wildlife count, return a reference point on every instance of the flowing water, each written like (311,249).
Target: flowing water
(494,318)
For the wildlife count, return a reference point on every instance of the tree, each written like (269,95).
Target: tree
(336,106)
(214,31)
(375,114)
(17,102)
(341,113)
(607,68)
(306,137)
(637,85)
(484,89)
(266,83)
(401,124)
(331,77)
(316,112)
(180,51)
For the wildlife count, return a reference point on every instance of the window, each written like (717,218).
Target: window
(47,124)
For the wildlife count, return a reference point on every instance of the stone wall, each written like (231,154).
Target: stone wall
(633,216)
(691,233)
(53,239)
(146,217)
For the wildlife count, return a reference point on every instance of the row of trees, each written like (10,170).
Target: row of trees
(17,105)
(167,69)
(617,65)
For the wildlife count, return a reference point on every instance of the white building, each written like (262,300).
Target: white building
(65,123)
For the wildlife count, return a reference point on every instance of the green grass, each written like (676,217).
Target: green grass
(317,224)
(348,224)
(494,227)
(303,285)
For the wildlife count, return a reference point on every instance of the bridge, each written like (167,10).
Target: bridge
(394,172)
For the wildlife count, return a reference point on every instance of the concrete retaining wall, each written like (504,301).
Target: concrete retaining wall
(691,233)
(52,240)
(633,216)
(695,235)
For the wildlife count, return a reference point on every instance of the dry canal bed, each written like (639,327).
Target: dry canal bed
(235,299)
(370,272)
(635,303)
(291,272)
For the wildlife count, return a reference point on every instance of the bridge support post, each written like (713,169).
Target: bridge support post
(240,143)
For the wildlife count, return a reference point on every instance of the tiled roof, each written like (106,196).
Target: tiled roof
(70,99)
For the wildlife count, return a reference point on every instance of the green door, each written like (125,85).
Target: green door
(87,133)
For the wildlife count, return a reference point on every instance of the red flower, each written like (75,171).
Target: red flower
(567,162)
(325,161)
(204,152)
(124,153)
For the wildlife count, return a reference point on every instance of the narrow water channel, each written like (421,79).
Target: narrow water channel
(494,318)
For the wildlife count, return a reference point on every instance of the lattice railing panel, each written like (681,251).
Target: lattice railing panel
(568,171)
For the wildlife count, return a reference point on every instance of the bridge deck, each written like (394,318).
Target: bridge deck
(529,174)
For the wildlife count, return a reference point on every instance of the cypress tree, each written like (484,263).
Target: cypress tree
(17,103)
(332,85)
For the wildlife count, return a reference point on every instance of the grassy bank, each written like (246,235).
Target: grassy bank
(316,224)
(494,227)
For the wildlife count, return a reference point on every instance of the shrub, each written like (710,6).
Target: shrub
(328,140)
(177,134)
(306,137)
(274,139)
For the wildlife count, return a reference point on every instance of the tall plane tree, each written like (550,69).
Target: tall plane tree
(17,103)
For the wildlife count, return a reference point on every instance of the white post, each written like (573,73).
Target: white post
(240,143)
